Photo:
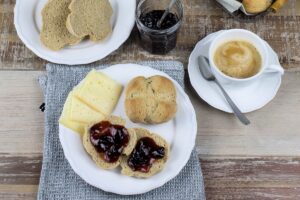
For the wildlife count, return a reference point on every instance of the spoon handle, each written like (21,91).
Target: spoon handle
(235,109)
(166,12)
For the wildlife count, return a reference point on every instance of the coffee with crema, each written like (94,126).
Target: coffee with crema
(238,59)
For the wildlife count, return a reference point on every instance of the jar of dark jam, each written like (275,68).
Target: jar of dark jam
(158,40)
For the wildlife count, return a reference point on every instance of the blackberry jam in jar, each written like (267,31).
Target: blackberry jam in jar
(158,40)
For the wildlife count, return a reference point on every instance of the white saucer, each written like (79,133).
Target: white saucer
(180,133)
(28,21)
(248,98)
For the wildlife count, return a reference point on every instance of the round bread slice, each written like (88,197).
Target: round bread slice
(150,100)
(158,164)
(96,156)
(54,34)
(90,18)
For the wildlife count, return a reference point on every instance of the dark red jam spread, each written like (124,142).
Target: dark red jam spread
(144,154)
(109,139)
(151,18)
(161,40)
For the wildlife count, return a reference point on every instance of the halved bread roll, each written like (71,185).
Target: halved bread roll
(98,157)
(90,18)
(54,34)
(156,166)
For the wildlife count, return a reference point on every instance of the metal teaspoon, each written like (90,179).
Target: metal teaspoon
(208,75)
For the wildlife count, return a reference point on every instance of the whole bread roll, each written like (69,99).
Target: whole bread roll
(150,100)
(158,164)
(256,6)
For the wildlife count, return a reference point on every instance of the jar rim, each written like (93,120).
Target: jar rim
(163,31)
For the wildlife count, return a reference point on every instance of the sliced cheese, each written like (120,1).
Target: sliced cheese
(75,126)
(100,92)
(65,118)
(81,112)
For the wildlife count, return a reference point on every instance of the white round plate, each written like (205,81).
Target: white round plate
(180,132)
(28,22)
(248,98)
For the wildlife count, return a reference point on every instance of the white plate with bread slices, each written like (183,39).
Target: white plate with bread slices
(122,97)
(61,31)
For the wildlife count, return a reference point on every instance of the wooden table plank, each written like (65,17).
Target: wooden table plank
(252,178)
(201,18)
(230,178)
(20,169)
(274,129)
(22,125)
(16,192)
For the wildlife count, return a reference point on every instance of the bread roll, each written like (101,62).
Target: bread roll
(98,157)
(158,164)
(150,100)
(256,6)
(54,34)
(90,18)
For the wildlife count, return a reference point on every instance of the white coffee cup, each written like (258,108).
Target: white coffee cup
(241,35)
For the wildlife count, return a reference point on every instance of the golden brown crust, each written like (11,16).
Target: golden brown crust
(256,6)
(97,157)
(157,166)
(150,100)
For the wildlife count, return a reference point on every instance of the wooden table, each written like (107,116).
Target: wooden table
(261,161)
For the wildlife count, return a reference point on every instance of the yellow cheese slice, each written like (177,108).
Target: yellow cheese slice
(80,112)
(75,126)
(66,120)
(100,92)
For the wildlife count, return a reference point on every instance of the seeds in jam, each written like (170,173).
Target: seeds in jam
(144,154)
(109,139)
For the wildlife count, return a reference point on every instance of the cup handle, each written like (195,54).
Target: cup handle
(274,69)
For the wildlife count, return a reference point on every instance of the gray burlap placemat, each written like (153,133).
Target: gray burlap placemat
(59,182)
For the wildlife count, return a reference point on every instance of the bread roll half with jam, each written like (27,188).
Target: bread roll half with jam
(148,157)
(108,140)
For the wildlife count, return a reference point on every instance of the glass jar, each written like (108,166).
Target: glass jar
(158,41)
